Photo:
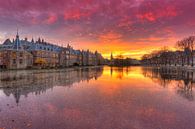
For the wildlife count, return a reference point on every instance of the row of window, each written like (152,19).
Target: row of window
(20,54)
(44,48)
(20,61)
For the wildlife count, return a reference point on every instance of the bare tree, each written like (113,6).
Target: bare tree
(191,41)
(185,47)
(185,53)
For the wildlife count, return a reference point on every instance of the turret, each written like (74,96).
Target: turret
(17,44)
(68,46)
(111,56)
(32,40)
(17,35)
(111,60)
(39,40)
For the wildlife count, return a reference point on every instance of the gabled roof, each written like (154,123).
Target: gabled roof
(7,42)
(41,45)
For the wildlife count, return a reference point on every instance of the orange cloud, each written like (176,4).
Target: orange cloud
(110,37)
(152,39)
(76,14)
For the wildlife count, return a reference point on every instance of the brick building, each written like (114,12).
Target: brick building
(21,54)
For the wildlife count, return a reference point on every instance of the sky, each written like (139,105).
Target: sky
(125,27)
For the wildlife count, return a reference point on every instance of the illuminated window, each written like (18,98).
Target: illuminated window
(14,54)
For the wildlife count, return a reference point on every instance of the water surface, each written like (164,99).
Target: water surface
(97,98)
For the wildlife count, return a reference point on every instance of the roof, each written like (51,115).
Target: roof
(18,44)
(7,42)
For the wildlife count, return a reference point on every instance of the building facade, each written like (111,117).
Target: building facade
(22,54)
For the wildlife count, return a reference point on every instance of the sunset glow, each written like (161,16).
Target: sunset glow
(131,28)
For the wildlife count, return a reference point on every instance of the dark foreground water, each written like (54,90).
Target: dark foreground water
(97,98)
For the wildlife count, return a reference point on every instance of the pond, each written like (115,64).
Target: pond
(97,98)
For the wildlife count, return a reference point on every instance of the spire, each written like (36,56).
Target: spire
(17,35)
(111,56)
(32,40)
(68,46)
(17,44)
(39,40)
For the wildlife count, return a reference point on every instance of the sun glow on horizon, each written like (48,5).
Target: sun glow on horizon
(129,28)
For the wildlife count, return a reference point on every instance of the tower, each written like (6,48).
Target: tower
(68,46)
(111,59)
(32,41)
(17,44)
(39,40)
(111,56)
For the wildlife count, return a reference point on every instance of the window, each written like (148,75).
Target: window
(14,55)
(14,61)
(21,61)
(21,54)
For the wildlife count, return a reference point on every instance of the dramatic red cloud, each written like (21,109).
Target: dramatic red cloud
(148,16)
(76,14)
(191,23)
(153,11)
(127,27)
(125,22)
(51,19)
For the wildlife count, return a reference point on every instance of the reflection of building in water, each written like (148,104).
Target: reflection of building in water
(20,83)
(185,80)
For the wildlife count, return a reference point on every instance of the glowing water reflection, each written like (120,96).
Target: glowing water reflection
(97,97)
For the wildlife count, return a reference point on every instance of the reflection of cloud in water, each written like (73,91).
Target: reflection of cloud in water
(150,114)
(20,83)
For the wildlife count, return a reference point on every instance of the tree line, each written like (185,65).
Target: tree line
(183,56)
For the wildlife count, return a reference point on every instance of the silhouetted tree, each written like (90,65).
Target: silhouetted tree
(191,41)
